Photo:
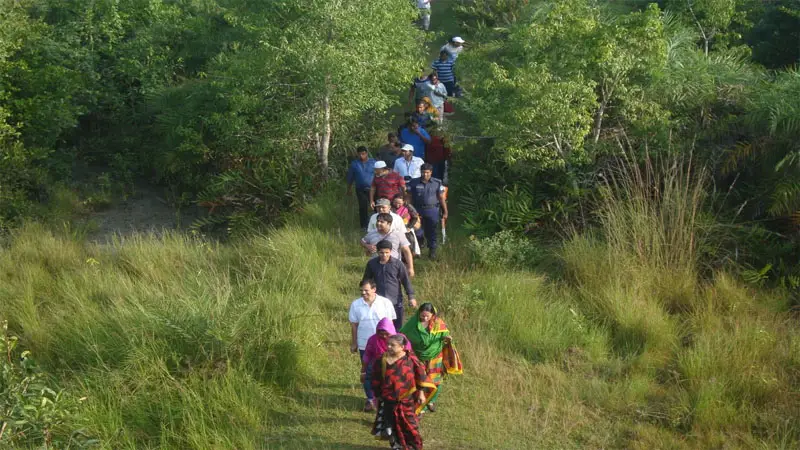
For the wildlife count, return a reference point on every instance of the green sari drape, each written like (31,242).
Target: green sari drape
(427,341)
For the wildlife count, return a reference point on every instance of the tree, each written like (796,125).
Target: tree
(711,17)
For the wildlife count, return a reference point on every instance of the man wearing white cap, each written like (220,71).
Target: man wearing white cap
(385,184)
(454,47)
(409,165)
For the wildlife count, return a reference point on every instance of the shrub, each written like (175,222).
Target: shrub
(505,249)
(32,410)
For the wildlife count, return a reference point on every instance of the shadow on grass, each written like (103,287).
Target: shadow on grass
(318,442)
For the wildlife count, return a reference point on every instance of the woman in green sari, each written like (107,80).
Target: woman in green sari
(428,335)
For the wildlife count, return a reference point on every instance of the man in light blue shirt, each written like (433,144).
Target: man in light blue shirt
(437,93)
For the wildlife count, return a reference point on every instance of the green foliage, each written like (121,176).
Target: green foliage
(185,92)
(505,250)
(33,412)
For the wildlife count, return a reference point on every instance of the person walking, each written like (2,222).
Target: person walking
(424,7)
(361,173)
(417,89)
(411,220)
(453,47)
(364,315)
(427,196)
(416,136)
(402,389)
(383,206)
(444,67)
(376,347)
(398,240)
(422,116)
(391,277)
(437,154)
(409,165)
(428,335)
(385,183)
(390,151)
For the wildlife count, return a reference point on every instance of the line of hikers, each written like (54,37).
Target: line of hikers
(402,201)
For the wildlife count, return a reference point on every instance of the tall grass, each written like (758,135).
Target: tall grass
(177,342)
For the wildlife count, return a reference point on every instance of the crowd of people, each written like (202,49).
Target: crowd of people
(402,203)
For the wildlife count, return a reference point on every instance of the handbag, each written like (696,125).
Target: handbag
(452,360)
(448,107)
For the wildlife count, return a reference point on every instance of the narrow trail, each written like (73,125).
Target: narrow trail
(328,415)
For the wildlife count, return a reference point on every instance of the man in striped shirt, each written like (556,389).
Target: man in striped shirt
(444,69)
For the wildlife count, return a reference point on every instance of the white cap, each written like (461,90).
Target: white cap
(457,40)
(407,148)
(380,164)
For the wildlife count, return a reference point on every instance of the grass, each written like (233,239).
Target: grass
(178,342)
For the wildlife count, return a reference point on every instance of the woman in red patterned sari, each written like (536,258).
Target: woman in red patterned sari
(402,388)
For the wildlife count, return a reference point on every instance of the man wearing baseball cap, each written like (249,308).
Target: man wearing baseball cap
(384,206)
(454,47)
(386,184)
(409,165)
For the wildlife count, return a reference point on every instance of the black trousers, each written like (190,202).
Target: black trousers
(364,212)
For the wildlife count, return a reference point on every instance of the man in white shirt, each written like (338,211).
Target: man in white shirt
(400,244)
(454,47)
(425,13)
(409,165)
(383,205)
(365,313)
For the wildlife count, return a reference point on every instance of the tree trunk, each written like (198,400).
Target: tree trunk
(601,110)
(598,121)
(324,141)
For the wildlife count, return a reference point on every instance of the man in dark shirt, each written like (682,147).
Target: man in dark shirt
(389,274)
(390,152)
(427,196)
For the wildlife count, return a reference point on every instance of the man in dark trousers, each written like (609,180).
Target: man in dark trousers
(361,173)
(427,196)
(390,275)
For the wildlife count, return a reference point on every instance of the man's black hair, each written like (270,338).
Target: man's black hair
(426,166)
(362,149)
(385,217)
(367,281)
(384,244)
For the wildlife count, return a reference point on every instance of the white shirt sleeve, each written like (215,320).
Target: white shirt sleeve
(352,315)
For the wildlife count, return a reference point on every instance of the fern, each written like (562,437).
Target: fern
(785,198)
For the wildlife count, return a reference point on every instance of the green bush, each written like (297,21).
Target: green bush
(33,412)
(505,249)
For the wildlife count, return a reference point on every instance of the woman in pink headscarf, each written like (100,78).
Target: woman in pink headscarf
(376,347)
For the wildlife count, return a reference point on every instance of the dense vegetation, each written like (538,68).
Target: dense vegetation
(566,87)
(623,273)
(234,104)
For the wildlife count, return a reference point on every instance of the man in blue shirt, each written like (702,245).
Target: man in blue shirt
(361,172)
(416,136)
(427,196)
